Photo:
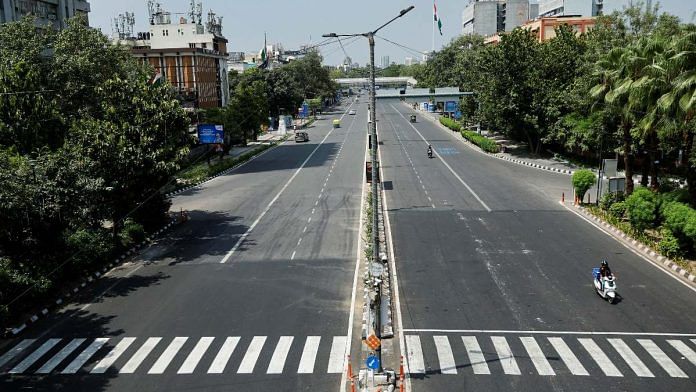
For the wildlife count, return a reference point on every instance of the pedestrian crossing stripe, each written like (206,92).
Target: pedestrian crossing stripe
(180,355)
(550,356)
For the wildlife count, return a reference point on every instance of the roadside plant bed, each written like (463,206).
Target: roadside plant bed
(483,142)
(659,239)
(202,171)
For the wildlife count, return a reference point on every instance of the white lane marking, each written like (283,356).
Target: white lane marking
(132,365)
(670,367)
(299,241)
(60,356)
(316,203)
(293,255)
(280,355)
(189,365)
(356,275)
(684,350)
(507,360)
(476,358)
(252,355)
(416,364)
(16,350)
(33,357)
(537,356)
(309,355)
(277,196)
(631,358)
(337,357)
(538,332)
(447,165)
(223,356)
(568,357)
(112,356)
(600,357)
(167,356)
(84,356)
(432,205)
(309,220)
(444,355)
(304,230)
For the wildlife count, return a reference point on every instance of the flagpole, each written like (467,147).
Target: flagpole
(432,49)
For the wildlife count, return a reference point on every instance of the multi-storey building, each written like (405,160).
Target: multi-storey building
(488,17)
(570,7)
(545,28)
(190,54)
(51,12)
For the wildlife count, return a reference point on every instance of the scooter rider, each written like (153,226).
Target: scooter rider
(604,272)
(430,151)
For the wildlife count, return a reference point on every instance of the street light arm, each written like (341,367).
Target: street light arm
(402,13)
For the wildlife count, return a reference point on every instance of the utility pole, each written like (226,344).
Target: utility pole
(374,170)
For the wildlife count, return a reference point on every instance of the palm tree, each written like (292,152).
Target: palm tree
(680,101)
(614,72)
(649,82)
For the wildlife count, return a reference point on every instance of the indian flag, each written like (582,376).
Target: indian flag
(436,18)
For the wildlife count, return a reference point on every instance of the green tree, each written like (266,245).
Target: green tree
(582,182)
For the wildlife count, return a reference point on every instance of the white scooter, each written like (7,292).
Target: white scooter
(605,286)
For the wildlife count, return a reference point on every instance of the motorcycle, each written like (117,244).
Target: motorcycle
(430,154)
(605,286)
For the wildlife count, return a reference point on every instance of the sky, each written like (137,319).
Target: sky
(297,22)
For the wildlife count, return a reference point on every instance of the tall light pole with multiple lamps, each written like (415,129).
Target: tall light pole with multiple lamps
(373,137)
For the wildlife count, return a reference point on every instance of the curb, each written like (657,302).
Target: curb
(643,249)
(500,155)
(534,165)
(273,144)
(90,278)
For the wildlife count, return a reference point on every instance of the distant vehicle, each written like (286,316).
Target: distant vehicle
(413,118)
(336,123)
(352,112)
(301,136)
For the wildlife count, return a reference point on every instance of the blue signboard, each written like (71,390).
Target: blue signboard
(210,134)
(372,362)
(451,106)
(458,114)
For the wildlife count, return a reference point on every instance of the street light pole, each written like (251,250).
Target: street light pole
(374,170)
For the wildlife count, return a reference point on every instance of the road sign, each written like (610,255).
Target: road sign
(372,362)
(373,342)
(377,269)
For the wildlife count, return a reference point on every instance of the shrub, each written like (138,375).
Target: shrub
(618,209)
(582,182)
(609,199)
(451,124)
(132,233)
(677,195)
(641,207)
(483,142)
(669,244)
(90,246)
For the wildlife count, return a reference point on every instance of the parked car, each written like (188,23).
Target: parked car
(301,136)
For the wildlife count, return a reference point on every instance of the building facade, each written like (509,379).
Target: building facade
(545,28)
(550,8)
(488,17)
(49,12)
(191,55)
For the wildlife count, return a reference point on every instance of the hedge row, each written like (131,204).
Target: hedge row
(203,171)
(668,212)
(485,143)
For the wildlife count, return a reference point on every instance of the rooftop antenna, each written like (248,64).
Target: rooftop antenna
(123,25)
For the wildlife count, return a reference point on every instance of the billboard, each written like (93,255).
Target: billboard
(210,134)
(451,106)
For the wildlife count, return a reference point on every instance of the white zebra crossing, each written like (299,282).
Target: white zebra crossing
(178,350)
(574,353)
